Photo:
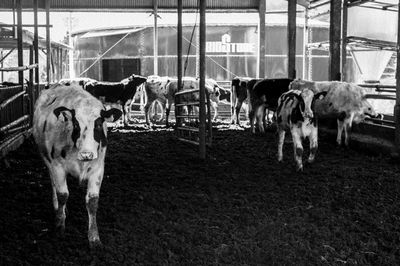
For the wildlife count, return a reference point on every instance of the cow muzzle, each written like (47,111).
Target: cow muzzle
(85,156)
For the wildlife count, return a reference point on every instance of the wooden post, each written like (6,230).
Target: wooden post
(36,39)
(305,43)
(58,64)
(261,40)
(344,40)
(48,42)
(397,106)
(179,41)
(31,63)
(202,115)
(155,46)
(292,38)
(2,65)
(61,64)
(19,42)
(334,40)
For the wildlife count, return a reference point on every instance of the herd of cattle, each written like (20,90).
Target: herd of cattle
(70,130)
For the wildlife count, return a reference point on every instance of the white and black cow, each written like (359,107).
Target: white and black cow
(295,112)
(344,101)
(116,92)
(155,87)
(70,131)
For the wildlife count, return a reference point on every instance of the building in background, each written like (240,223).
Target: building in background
(231,50)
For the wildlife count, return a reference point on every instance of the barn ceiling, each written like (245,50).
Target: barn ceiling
(134,5)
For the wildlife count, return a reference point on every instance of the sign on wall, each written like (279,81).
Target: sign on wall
(226,46)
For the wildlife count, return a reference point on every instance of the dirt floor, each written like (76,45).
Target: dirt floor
(161,205)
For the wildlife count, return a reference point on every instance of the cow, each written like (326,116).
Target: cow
(295,112)
(264,95)
(71,134)
(344,101)
(116,92)
(214,91)
(76,81)
(238,97)
(155,87)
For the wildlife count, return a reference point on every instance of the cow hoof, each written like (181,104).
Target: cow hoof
(310,160)
(60,231)
(299,168)
(95,245)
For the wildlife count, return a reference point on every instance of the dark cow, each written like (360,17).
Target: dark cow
(295,112)
(344,101)
(116,92)
(264,95)
(70,131)
(238,97)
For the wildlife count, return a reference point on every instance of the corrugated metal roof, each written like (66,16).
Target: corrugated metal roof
(132,5)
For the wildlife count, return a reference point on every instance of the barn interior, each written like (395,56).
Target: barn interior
(215,195)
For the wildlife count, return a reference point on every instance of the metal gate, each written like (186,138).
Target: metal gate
(187,121)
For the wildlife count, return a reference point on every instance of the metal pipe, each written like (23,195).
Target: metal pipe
(292,38)
(397,106)
(202,109)
(155,40)
(19,42)
(334,40)
(48,42)
(261,40)
(36,38)
(344,39)
(305,43)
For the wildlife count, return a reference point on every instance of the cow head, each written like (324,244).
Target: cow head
(307,99)
(366,110)
(214,88)
(87,128)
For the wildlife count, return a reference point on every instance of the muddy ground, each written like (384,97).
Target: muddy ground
(161,205)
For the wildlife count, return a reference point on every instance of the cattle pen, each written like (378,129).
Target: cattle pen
(226,200)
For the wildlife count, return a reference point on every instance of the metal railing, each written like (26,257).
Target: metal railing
(187,121)
(16,112)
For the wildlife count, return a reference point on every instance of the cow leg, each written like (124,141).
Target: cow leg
(313,138)
(167,109)
(260,113)
(346,127)
(60,196)
(126,108)
(298,149)
(214,105)
(92,201)
(147,113)
(237,112)
(340,124)
(281,139)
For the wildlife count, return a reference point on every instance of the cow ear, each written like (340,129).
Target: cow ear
(320,95)
(111,115)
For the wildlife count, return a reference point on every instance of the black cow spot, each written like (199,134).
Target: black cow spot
(98,132)
(44,126)
(342,116)
(89,169)
(64,152)
(52,153)
(330,104)
(76,132)
(279,119)
(313,150)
